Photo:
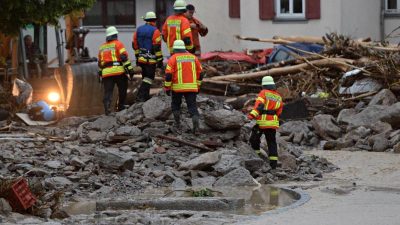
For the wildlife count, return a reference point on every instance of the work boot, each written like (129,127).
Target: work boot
(177,118)
(195,121)
(176,128)
(107,108)
(262,155)
(273,164)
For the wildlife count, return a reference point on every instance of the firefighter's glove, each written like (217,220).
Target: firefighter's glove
(260,107)
(168,92)
(131,73)
(99,73)
(250,116)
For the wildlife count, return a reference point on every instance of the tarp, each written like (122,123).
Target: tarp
(255,58)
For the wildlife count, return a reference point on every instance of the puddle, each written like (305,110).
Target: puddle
(253,201)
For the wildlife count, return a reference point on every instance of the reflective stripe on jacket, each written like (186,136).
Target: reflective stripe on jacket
(177,27)
(147,44)
(185,69)
(110,58)
(272,100)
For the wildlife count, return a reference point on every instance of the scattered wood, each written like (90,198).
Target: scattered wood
(177,140)
(335,63)
(273,41)
(304,39)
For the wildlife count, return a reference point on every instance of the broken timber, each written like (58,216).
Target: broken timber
(184,142)
(335,63)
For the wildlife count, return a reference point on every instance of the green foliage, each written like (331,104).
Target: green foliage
(205,192)
(15,14)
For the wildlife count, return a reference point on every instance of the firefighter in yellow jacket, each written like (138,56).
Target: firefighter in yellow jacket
(266,111)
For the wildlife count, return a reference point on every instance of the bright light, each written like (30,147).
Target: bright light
(53,97)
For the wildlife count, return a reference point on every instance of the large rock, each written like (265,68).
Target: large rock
(325,126)
(369,115)
(224,119)
(237,177)
(396,148)
(345,115)
(379,143)
(57,183)
(128,131)
(294,127)
(95,136)
(104,123)
(203,161)
(157,108)
(384,97)
(5,208)
(288,162)
(113,159)
(297,131)
(204,181)
(358,133)
(392,115)
(227,163)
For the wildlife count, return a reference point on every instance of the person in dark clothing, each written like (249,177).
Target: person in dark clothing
(147,46)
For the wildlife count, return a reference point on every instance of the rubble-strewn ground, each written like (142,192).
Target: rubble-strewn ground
(118,155)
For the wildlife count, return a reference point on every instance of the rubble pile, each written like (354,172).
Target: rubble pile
(344,70)
(373,125)
(122,154)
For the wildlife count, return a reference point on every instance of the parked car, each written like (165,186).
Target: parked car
(284,53)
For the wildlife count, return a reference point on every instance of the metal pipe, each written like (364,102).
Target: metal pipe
(382,21)
(23,54)
(59,48)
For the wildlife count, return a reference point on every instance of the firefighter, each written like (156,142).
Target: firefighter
(147,46)
(183,77)
(177,27)
(266,111)
(114,68)
(197,29)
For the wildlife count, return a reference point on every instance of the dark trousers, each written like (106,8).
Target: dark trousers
(190,98)
(270,136)
(148,74)
(122,84)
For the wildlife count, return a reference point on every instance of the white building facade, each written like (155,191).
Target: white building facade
(252,18)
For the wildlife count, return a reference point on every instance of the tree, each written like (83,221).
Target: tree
(16,14)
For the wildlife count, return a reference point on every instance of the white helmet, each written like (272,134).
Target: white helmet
(150,16)
(180,5)
(111,31)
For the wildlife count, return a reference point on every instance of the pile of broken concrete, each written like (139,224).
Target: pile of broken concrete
(122,154)
(373,125)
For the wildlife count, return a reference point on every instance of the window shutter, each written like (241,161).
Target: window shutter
(313,9)
(267,9)
(234,8)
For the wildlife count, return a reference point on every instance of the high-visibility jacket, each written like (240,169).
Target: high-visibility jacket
(177,27)
(147,44)
(113,58)
(185,69)
(196,32)
(272,101)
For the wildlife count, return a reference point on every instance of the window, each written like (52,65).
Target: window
(392,6)
(111,12)
(290,8)
(234,8)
